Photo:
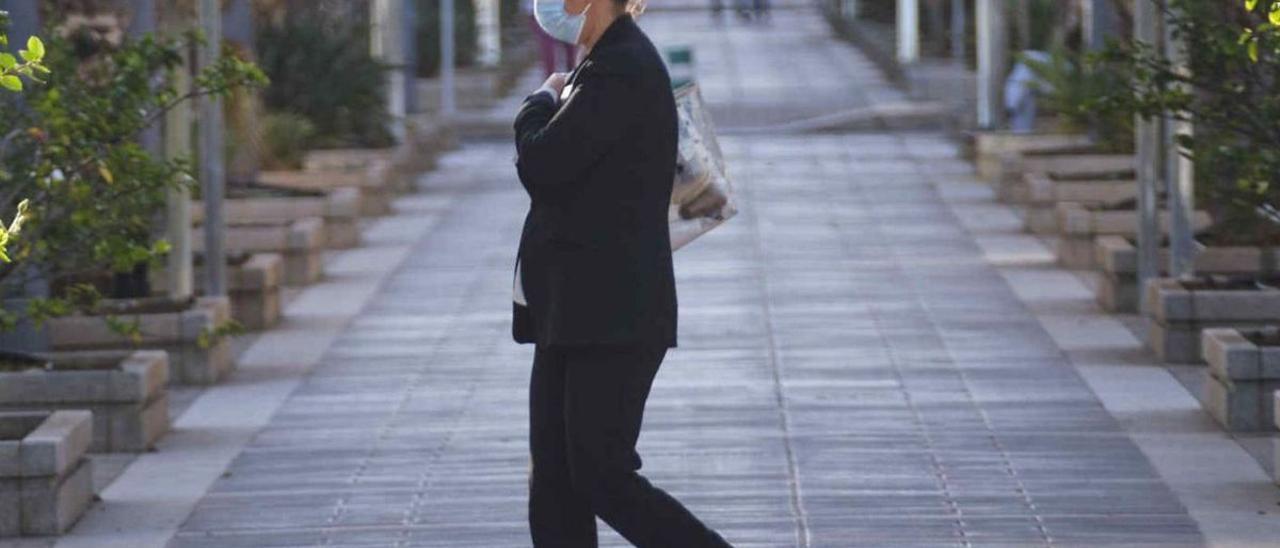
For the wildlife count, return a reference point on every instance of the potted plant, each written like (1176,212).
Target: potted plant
(1232,52)
(88,193)
(1092,145)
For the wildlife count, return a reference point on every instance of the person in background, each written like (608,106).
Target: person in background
(594,286)
(557,56)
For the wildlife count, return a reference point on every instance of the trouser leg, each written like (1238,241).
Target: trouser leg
(558,516)
(606,390)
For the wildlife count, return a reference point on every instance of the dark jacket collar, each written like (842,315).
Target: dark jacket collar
(622,28)
(619,32)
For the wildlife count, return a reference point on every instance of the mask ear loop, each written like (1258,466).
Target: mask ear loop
(581,29)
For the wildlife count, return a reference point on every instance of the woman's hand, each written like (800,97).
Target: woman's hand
(555,84)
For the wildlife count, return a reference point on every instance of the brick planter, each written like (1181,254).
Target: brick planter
(300,242)
(125,390)
(428,138)
(991,147)
(164,325)
(476,88)
(1178,312)
(1014,188)
(1117,257)
(46,483)
(1080,225)
(1045,191)
(376,184)
(391,164)
(1242,380)
(254,283)
(340,209)
(347,159)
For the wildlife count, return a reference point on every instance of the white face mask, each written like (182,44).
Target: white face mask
(557,22)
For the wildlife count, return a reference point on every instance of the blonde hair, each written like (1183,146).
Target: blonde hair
(634,7)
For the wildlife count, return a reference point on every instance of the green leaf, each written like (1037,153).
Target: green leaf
(1253,51)
(1250,4)
(11,82)
(7,61)
(35,49)
(1274,15)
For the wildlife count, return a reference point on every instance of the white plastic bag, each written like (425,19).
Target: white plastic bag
(702,197)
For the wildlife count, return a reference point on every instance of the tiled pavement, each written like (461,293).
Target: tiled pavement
(851,372)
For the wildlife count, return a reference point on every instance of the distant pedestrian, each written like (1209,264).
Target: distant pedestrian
(594,286)
(556,56)
(761,9)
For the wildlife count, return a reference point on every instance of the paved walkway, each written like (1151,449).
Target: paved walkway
(857,366)
(852,371)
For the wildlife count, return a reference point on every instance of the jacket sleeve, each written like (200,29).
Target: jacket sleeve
(555,147)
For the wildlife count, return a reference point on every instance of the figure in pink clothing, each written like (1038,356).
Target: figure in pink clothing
(557,56)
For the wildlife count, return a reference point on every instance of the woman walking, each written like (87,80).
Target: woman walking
(594,288)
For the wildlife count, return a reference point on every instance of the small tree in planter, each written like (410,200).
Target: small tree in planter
(321,70)
(1230,90)
(70,151)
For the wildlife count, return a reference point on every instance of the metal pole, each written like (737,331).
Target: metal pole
(237,23)
(387,45)
(143,22)
(959,31)
(992,62)
(1098,23)
(409,40)
(850,9)
(908,31)
(212,173)
(448,103)
(1179,172)
(177,144)
(177,219)
(488,22)
(24,21)
(1146,21)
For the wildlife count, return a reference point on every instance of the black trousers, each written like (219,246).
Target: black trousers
(586,404)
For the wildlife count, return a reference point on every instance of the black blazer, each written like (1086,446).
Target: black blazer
(595,254)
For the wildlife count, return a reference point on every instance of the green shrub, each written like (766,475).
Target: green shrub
(71,154)
(427,31)
(1230,90)
(285,137)
(321,69)
(1072,89)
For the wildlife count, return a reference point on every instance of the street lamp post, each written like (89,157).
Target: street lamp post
(388,46)
(992,62)
(908,31)
(212,172)
(1179,172)
(160,140)
(447,99)
(1146,23)
(959,30)
(1098,22)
